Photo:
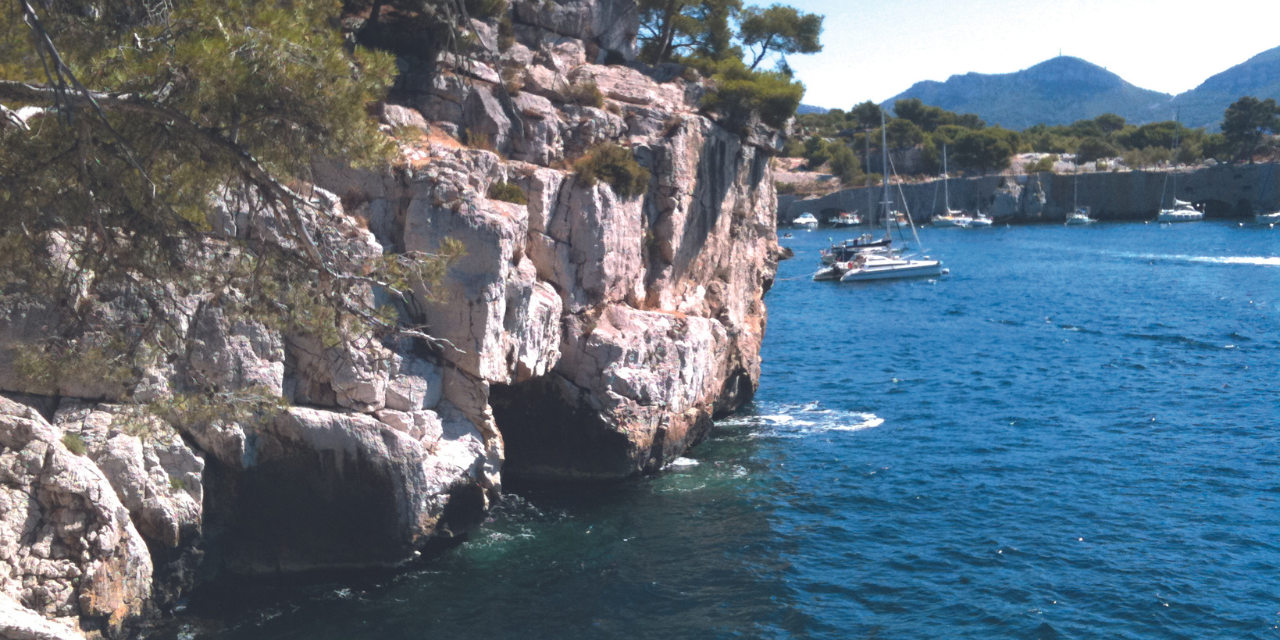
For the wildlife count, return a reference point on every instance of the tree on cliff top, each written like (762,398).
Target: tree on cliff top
(1247,121)
(135,119)
(675,29)
(781,30)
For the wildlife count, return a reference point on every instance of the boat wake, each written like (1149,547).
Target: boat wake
(1261,261)
(800,420)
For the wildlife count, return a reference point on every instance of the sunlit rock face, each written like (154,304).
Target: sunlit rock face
(583,336)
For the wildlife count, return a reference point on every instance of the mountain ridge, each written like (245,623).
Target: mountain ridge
(1064,89)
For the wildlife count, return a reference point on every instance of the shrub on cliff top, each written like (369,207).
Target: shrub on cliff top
(739,92)
(584,94)
(507,192)
(614,165)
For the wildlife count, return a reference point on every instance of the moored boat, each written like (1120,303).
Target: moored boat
(846,219)
(1267,218)
(1182,212)
(805,221)
(951,219)
(979,220)
(847,249)
(878,267)
(1079,217)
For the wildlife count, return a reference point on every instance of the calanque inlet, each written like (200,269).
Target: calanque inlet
(585,336)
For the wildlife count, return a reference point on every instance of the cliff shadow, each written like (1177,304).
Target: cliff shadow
(552,435)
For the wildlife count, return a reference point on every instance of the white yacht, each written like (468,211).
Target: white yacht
(1182,211)
(979,220)
(1079,217)
(951,219)
(870,266)
(846,219)
(1267,218)
(805,221)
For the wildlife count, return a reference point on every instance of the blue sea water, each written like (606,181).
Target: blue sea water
(1075,434)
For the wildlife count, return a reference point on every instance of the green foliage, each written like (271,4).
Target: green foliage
(739,92)
(177,484)
(815,152)
(1042,165)
(792,148)
(584,94)
(672,30)
(507,192)
(984,149)
(865,115)
(1109,122)
(903,134)
(930,118)
(845,165)
(1150,156)
(779,29)
(506,32)
(614,165)
(252,407)
(1095,148)
(1246,122)
(74,443)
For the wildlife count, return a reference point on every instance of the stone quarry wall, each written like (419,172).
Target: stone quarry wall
(1237,190)
(584,336)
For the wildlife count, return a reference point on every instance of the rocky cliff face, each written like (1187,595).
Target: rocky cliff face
(585,336)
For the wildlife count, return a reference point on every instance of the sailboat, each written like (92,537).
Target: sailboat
(873,266)
(951,217)
(1079,215)
(1182,210)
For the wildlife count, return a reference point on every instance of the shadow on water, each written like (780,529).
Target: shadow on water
(689,553)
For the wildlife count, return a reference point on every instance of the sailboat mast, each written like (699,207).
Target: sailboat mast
(946,192)
(870,205)
(884,162)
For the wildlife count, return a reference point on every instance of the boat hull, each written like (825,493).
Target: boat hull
(915,269)
(1180,216)
(951,222)
(1267,218)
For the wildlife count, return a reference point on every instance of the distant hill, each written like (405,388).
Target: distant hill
(1057,91)
(1259,77)
(808,108)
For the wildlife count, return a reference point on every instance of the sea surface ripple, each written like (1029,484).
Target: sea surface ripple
(1073,435)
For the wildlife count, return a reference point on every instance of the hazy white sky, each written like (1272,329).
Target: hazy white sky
(876,49)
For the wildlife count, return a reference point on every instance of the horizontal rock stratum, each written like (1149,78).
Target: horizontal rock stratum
(585,336)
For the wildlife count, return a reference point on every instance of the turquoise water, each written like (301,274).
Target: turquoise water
(1076,434)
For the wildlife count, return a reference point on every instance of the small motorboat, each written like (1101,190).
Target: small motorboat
(805,221)
(829,273)
(846,219)
(1267,218)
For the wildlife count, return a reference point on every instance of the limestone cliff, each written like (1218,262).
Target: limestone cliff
(585,336)
(1223,191)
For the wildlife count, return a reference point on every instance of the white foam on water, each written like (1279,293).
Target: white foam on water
(1261,261)
(682,463)
(798,421)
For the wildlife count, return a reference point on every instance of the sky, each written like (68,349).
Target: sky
(876,49)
